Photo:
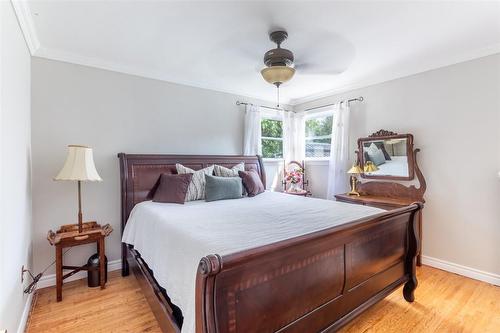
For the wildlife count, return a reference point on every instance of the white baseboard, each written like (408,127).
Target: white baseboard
(26,312)
(462,270)
(50,280)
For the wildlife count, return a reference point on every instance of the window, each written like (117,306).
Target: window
(318,135)
(272,137)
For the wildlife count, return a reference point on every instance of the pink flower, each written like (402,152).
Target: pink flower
(294,176)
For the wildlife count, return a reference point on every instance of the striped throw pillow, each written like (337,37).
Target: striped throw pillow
(221,171)
(196,189)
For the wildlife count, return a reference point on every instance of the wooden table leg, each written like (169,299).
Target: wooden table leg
(59,272)
(102,263)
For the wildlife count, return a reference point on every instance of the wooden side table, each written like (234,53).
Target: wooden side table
(68,236)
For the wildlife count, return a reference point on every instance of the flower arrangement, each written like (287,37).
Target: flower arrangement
(294,176)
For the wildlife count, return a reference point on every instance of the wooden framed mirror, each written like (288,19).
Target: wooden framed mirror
(387,155)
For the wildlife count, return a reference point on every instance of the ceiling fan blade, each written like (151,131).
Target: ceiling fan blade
(323,52)
(316,69)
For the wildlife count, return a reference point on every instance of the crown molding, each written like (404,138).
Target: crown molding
(27,25)
(63,56)
(389,76)
(59,55)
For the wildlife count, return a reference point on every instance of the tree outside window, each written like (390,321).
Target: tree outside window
(272,138)
(318,135)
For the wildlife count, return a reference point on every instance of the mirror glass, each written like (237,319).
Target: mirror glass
(386,157)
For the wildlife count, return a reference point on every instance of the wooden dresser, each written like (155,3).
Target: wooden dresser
(386,191)
(375,201)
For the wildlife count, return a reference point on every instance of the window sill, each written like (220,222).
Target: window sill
(272,160)
(322,161)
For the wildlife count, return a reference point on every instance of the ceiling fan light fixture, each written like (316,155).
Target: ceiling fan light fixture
(277,74)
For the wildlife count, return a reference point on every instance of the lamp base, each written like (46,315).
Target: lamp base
(353,186)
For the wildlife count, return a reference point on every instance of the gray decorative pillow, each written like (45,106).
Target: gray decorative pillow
(221,188)
(196,189)
(377,157)
(221,171)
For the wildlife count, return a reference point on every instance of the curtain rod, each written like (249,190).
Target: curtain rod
(263,106)
(357,99)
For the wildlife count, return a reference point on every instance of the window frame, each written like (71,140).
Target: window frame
(272,116)
(320,113)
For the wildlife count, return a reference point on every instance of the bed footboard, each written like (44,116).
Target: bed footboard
(317,282)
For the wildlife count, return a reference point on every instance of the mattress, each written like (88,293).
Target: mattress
(172,238)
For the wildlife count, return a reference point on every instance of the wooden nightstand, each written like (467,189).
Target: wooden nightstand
(68,236)
(386,203)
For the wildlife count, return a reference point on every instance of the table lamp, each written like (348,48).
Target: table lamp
(370,167)
(79,166)
(355,170)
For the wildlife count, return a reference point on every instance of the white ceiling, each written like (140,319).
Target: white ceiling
(220,45)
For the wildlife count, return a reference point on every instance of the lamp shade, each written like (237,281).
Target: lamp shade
(370,167)
(277,74)
(356,169)
(79,165)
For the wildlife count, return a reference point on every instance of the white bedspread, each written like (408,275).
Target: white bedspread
(397,166)
(172,238)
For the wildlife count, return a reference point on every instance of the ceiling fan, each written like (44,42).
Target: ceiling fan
(280,63)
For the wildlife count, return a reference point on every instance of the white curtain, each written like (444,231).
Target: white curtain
(293,137)
(299,134)
(288,138)
(252,135)
(338,181)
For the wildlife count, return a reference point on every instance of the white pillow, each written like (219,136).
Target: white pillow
(221,171)
(372,149)
(196,189)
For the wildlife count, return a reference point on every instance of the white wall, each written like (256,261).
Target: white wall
(15,168)
(454,114)
(113,113)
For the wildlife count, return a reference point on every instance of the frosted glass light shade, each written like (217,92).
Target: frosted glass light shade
(79,165)
(277,74)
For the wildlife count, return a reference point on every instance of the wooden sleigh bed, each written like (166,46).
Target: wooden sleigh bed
(311,283)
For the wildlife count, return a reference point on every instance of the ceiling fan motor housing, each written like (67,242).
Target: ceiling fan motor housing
(278,56)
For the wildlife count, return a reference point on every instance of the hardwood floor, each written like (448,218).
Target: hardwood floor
(444,302)
(120,307)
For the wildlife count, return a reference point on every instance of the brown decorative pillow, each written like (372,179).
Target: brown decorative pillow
(252,182)
(172,188)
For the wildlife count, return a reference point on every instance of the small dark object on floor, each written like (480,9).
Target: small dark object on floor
(93,276)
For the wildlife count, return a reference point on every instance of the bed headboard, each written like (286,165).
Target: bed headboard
(139,174)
